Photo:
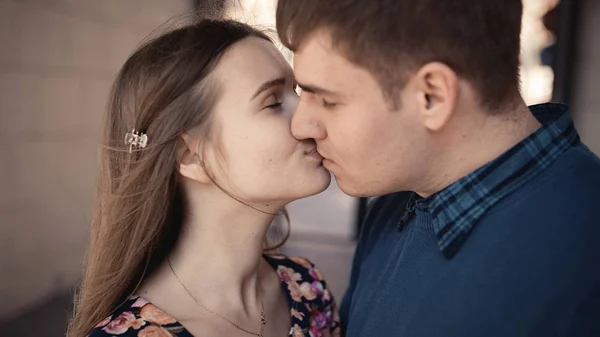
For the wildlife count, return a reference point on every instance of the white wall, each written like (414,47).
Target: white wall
(586,90)
(57,60)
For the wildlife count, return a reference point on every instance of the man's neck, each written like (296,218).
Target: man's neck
(475,141)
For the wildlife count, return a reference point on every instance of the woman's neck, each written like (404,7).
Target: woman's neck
(218,258)
(224,245)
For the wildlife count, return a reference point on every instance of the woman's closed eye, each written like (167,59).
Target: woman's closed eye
(273,102)
(275,105)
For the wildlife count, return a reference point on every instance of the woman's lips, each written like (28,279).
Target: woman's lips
(314,154)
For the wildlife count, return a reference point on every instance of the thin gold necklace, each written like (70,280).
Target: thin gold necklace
(263,320)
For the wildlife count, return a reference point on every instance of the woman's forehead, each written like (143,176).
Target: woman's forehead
(250,62)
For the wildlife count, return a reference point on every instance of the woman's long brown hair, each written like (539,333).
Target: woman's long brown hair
(163,90)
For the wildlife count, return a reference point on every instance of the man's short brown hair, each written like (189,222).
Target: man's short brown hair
(478,39)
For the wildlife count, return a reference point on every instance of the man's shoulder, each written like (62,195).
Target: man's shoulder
(574,180)
(557,211)
(587,169)
(570,184)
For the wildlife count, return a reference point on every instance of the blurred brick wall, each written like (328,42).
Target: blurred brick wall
(57,61)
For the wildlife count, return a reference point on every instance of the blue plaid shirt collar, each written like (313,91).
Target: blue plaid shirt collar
(459,207)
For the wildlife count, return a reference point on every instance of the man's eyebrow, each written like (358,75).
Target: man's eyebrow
(316,90)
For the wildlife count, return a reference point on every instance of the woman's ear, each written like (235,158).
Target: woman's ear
(190,161)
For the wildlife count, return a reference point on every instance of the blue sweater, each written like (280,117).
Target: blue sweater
(527,264)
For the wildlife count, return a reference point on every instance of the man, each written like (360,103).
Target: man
(500,236)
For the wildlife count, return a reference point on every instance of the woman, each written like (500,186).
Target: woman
(198,160)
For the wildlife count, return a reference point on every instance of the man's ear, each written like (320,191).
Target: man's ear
(437,86)
(190,161)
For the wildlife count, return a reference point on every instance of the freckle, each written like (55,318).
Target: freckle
(270,160)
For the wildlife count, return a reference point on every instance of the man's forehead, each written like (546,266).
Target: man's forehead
(317,63)
(317,57)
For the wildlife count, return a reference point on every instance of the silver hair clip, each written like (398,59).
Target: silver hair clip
(136,139)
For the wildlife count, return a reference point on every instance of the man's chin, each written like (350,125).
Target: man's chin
(353,189)
(347,188)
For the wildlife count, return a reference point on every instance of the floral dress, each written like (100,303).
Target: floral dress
(313,309)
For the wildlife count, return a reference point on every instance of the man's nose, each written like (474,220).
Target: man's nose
(306,124)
